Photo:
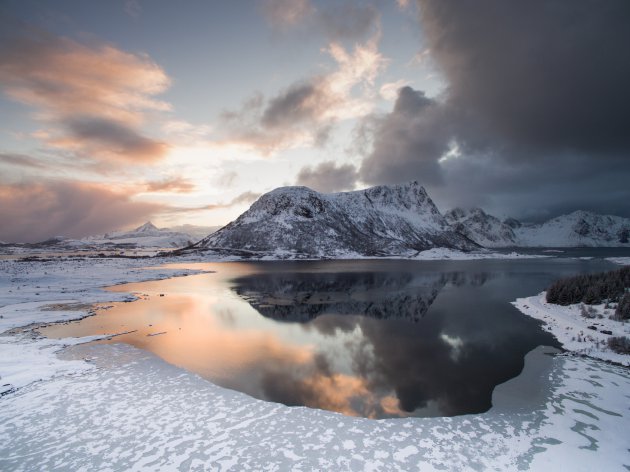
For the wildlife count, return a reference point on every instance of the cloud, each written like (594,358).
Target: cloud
(107,139)
(226,179)
(184,133)
(304,112)
(21,160)
(347,20)
(35,211)
(389,90)
(245,197)
(533,109)
(409,141)
(283,14)
(328,177)
(543,75)
(133,8)
(89,97)
(300,102)
(171,185)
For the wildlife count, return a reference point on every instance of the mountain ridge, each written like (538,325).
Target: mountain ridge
(579,228)
(396,220)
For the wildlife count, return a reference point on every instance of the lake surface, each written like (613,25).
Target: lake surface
(378,339)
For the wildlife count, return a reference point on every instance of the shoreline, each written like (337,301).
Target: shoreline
(576,334)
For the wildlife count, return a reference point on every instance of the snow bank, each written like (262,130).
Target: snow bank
(577,334)
(450,254)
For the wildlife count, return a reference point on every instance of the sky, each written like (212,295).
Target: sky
(115,113)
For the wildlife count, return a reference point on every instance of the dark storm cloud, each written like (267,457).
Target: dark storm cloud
(328,177)
(295,114)
(409,141)
(299,102)
(535,103)
(37,211)
(543,74)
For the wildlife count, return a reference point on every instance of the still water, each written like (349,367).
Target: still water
(377,339)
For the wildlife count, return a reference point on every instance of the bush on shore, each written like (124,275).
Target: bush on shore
(619,344)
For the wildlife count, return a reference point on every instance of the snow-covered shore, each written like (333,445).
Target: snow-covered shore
(435,254)
(585,336)
(125,409)
(56,290)
(450,254)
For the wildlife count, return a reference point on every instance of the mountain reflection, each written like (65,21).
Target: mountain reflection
(304,296)
(403,362)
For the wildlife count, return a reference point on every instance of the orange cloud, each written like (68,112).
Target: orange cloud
(304,112)
(245,197)
(37,211)
(172,184)
(93,99)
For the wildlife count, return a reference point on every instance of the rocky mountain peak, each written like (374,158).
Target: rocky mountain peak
(146,228)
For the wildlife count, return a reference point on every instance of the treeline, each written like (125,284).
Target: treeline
(593,289)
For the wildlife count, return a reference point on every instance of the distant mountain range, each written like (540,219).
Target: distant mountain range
(396,220)
(145,236)
(577,229)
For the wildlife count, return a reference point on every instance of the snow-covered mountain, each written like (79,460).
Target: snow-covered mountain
(378,221)
(580,228)
(147,235)
(194,231)
(482,228)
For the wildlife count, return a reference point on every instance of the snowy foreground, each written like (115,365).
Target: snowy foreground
(113,407)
